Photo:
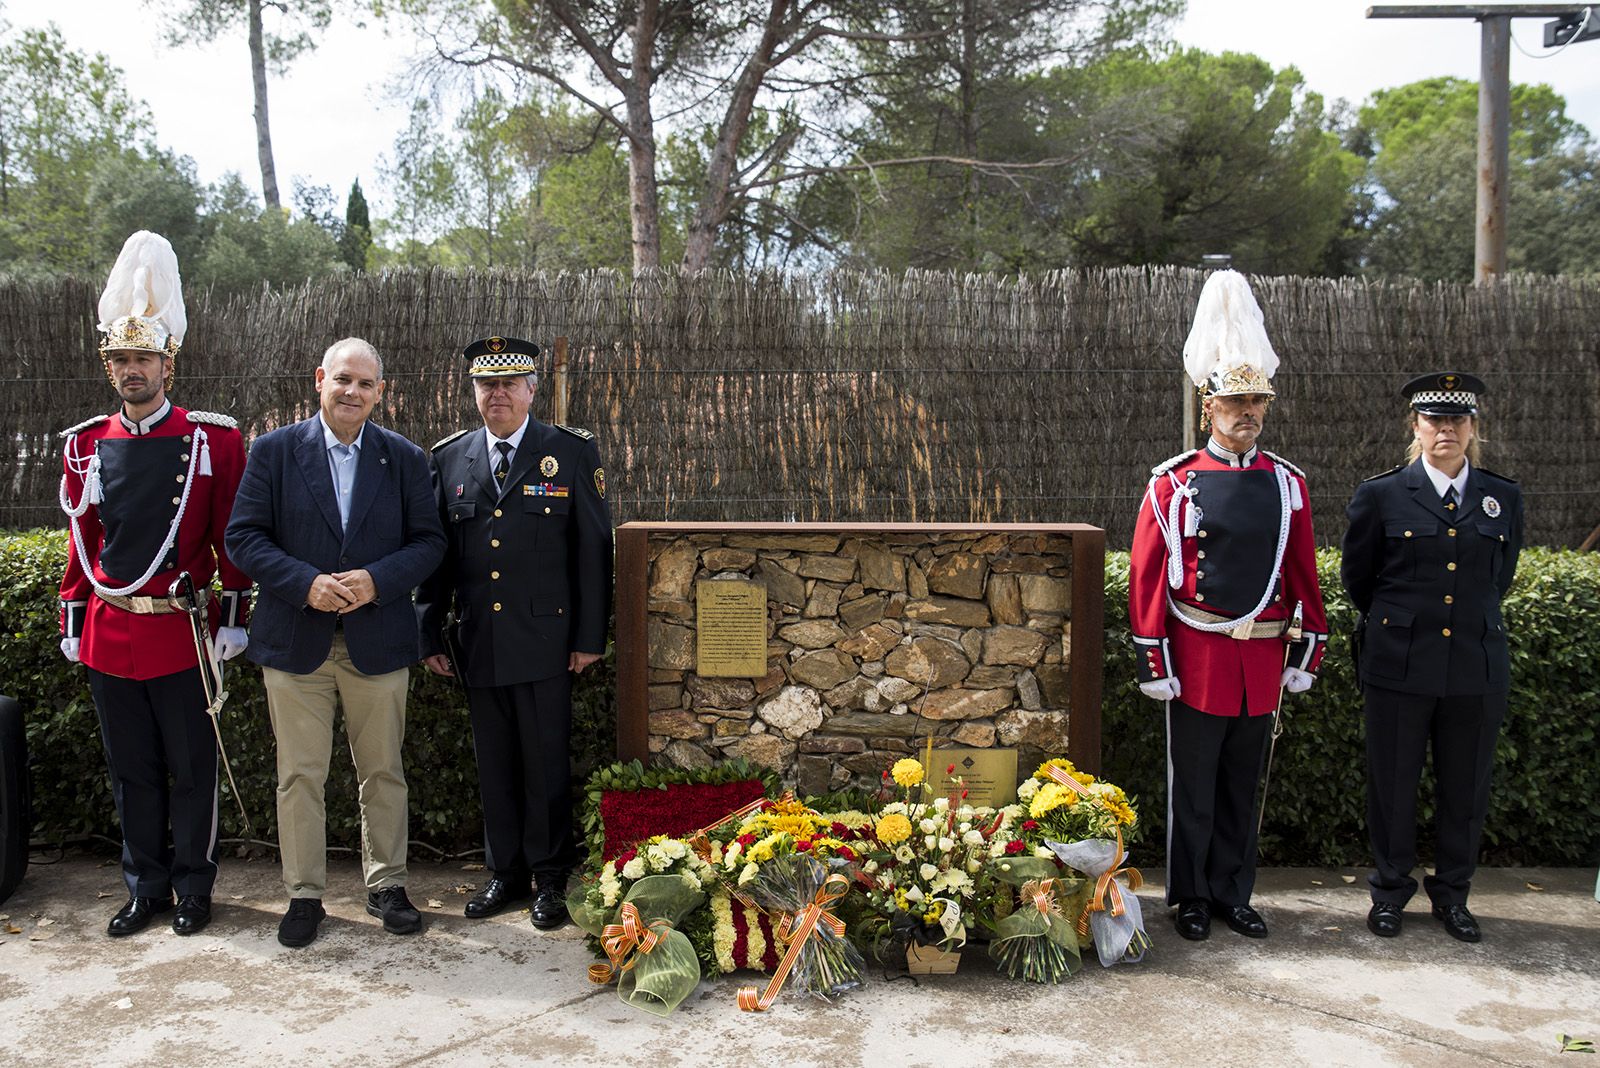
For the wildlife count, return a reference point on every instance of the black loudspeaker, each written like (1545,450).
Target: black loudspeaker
(16,817)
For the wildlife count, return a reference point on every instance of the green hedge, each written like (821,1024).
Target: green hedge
(1545,807)
(1545,810)
(72,794)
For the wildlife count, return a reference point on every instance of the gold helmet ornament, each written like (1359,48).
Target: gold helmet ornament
(142,305)
(1227,353)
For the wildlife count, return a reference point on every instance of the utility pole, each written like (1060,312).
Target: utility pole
(1577,21)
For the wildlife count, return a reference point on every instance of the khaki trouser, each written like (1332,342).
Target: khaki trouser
(301,707)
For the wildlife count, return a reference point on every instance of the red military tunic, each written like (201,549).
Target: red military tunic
(147,472)
(1226,525)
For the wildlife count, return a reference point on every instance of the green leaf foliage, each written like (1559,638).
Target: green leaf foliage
(1545,803)
(71,791)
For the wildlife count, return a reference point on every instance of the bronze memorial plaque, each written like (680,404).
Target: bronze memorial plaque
(730,628)
(988,775)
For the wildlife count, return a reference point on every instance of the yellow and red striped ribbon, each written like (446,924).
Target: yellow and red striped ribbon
(797,931)
(700,842)
(623,942)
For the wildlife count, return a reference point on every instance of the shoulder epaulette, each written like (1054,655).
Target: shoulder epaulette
(1278,459)
(442,442)
(93,420)
(1396,469)
(1167,465)
(1493,474)
(215,419)
(576,431)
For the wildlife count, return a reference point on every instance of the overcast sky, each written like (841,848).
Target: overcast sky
(332,119)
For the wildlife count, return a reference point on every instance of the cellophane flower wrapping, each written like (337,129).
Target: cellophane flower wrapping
(827,964)
(1039,947)
(1117,939)
(662,978)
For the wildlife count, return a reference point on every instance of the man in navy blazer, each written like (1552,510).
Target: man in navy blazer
(336,518)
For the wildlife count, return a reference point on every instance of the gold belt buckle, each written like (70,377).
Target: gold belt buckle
(1243,631)
(144,606)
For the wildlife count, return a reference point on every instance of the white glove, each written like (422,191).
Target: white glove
(1297,681)
(69,649)
(231,641)
(1161,689)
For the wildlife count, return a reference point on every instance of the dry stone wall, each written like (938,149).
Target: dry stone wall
(875,641)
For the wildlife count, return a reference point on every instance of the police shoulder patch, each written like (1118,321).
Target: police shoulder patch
(1385,474)
(93,420)
(1167,465)
(215,419)
(1502,478)
(1280,460)
(576,431)
(442,442)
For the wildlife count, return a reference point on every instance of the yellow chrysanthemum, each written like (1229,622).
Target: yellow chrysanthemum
(1051,796)
(893,829)
(907,772)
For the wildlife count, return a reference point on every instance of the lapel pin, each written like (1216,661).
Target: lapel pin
(1491,507)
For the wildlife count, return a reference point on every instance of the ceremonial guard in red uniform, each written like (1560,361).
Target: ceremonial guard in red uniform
(147,492)
(1223,559)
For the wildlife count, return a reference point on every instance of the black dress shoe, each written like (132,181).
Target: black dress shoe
(1459,922)
(399,915)
(136,915)
(549,908)
(1244,920)
(1194,920)
(299,925)
(1384,919)
(194,912)
(495,896)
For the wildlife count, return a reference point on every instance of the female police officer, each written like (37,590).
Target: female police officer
(1431,550)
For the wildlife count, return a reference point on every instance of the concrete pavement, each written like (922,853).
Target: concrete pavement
(1320,991)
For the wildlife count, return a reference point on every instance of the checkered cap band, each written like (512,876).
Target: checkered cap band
(495,364)
(1459,397)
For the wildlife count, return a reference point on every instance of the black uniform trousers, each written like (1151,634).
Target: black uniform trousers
(163,760)
(1463,731)
(520,733)
(1213,765)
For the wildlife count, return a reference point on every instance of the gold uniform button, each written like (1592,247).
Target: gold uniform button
(1386,621)
(184,458)
(547,511)
(1452,532)
(494,543)
(186,437)
(1451,566)
(180,478)
(1449,599)
(177,500)
(497,608)
(1201,554)
(1199,574)
(1199,596)
(561,611)
(1446,632)
(1202,533)
(494,574)
(1408,533)
(497,513)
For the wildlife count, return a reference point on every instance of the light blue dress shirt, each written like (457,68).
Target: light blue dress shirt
(342,461)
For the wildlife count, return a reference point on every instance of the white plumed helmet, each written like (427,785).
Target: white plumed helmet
(1227,353)
(142,306)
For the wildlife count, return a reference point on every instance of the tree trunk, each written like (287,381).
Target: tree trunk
(715,197)
(258,76)
(644,197)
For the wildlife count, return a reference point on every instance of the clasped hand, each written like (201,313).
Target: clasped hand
(342,591)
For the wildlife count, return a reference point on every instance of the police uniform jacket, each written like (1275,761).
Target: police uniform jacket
(1205,544)
(155,498)
(527,570)
(1428,580)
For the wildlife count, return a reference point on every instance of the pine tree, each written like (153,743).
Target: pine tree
(356,240)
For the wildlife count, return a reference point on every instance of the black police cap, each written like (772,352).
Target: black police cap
(1444,393)
(493,357)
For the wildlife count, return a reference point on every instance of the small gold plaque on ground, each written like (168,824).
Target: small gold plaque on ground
(730,629)
(988,775)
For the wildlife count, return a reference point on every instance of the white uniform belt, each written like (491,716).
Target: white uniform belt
(1254,629)
(149,606)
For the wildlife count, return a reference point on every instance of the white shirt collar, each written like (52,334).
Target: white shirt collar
(1229,457)
(149,422)
(330,439)
(515,437)
(1442,481)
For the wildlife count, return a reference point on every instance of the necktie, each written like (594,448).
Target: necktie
(1450,499)
(502,467)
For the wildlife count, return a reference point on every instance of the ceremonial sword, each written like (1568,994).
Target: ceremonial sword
(210,674)
(1294,634)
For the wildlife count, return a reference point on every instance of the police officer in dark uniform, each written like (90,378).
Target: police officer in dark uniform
(1430,552)
(527,574)
(147,493)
